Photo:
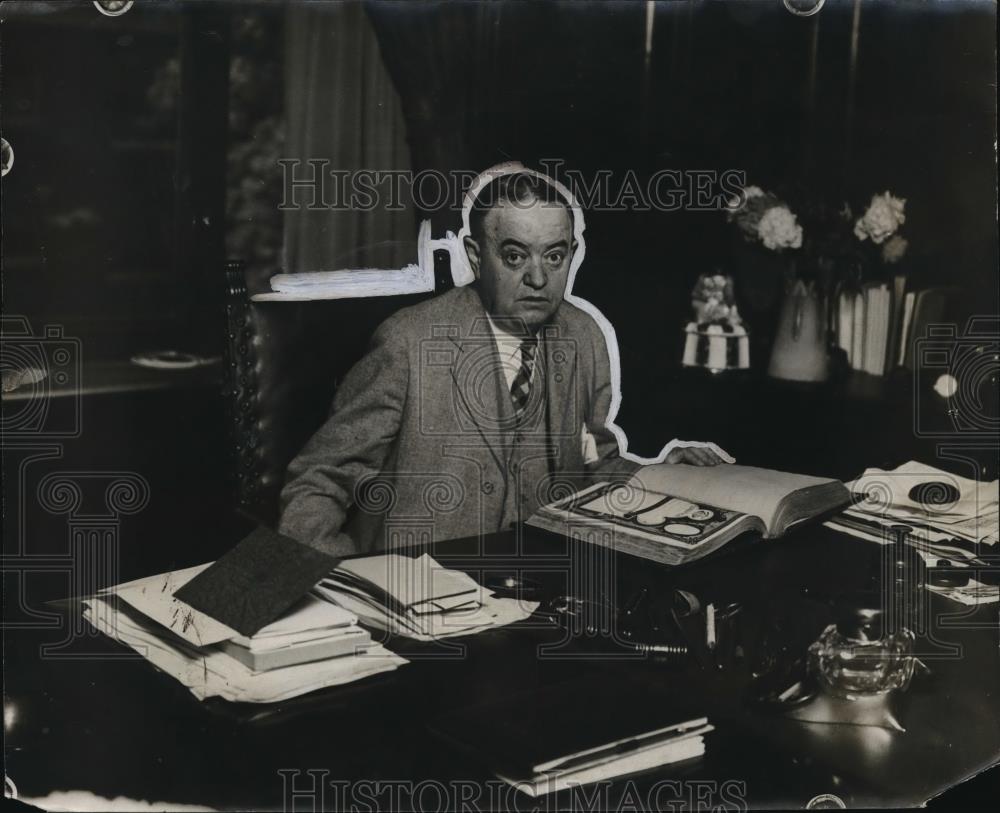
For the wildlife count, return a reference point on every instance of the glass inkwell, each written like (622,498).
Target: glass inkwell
(854,668)
(857,656)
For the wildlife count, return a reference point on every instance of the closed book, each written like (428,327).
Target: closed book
(845,323)
(876,324)
(904,328)
(858,333)
(884,316)
(895,321)
(929,308)
(349,642)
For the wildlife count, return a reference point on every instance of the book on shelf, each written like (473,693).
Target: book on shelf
(930,306)
(897,299)
(675,513)
(878,324)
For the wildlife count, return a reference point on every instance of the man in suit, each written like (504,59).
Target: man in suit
(473,408)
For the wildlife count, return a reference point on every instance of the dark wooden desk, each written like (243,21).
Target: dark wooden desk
(115,726)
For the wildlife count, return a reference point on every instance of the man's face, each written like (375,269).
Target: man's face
(522,260)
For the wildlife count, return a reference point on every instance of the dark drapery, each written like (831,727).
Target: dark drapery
(342,107)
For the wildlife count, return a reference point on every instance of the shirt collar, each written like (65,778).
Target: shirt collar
(505,336)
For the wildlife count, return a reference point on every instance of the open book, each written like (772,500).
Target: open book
(674,513)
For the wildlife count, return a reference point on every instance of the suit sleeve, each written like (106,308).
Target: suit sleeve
(354,442)
(609,460)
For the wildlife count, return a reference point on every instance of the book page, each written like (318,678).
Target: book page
(638,512)
(744,489)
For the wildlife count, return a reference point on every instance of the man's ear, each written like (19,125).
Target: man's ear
(472,252)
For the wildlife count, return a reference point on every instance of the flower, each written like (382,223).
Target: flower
(894,249)
(778,229)
(740,202)
(713,300)
(884,216)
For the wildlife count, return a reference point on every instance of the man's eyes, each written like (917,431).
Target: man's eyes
(514,258)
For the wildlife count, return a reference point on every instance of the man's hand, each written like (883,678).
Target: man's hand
(697,454)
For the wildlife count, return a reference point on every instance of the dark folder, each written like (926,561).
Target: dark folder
(257,581)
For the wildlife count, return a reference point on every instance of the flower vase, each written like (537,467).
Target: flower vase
(800,345)
(760,284)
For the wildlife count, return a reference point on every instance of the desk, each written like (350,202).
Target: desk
(115,726)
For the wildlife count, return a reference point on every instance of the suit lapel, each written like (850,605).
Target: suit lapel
(560,382)
(478,376)
(482,388)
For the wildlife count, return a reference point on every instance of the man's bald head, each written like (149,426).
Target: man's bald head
(519,189)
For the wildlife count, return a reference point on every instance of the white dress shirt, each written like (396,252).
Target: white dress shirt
(509,348)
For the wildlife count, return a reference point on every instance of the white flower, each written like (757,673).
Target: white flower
(884,216)
(894,249)
(750,192)
(778,229)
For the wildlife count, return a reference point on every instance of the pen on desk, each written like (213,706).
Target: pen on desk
(690,641)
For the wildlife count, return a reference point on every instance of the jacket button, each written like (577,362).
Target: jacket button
(487,487)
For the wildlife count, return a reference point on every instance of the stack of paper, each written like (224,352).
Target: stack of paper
(658,748)
(945,516)
(315,644)
(313,630)
(417,597)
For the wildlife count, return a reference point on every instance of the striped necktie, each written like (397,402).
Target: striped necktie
(520,388)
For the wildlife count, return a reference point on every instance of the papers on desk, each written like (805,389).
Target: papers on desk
(947,516)
(314,645)
(971,595)
(418,598)
(154,597)
(317,642)
(944,517)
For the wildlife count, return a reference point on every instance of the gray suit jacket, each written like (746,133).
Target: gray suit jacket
(422,443)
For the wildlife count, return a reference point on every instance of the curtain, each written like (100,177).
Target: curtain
(342,107)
